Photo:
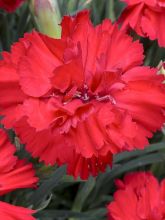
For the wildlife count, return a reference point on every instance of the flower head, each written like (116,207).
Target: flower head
(82,98)
(10,5)
(146,17)
(139,196)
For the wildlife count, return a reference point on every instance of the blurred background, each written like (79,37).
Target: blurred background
(60,197)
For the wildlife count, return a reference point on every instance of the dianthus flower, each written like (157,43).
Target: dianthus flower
(146,17)
(14,174)
(10,5)
(80,99)
(139,196)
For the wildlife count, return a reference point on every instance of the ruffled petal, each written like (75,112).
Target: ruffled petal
(146,17)
(140,94)
(45,144)
(153,25)
(14,173)
(7,150)
(138,197)
(131,18)
(11,212)
(35,73)
(22,176)
(84,167)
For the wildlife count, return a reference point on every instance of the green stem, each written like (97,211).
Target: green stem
(5,32)
(111,10)
(83,193)
(23,21)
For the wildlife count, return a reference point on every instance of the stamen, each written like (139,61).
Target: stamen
(77,95)
(106,98)
(85,97)
(83,94)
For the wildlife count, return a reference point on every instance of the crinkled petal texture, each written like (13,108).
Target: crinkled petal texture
(14,173)
(10,212)
(146,17)
(139,196)
(80,99)
(10,5)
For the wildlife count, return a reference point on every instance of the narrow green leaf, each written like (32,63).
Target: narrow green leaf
(128,155)
(83,193)
(136,163)
(46,188)
(65,214)
(23,20)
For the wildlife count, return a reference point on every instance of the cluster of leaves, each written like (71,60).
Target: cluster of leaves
(59,196)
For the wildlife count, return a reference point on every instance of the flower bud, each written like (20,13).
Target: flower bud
(47,17)
(161,68)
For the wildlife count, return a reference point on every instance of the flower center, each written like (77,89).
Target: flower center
(85,96)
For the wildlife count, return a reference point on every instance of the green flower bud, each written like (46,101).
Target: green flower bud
(161,68)
(47,17)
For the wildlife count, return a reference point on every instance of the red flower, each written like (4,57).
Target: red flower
(14,173)
(146,17)
(80,99)
(10,212)
(139,196)
(10,5)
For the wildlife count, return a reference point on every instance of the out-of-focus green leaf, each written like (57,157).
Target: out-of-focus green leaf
(65,214)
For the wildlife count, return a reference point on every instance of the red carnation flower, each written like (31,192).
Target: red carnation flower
(80,99)
(10,5)
(139,196)
(146,17)
(14,173)
(10,212)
